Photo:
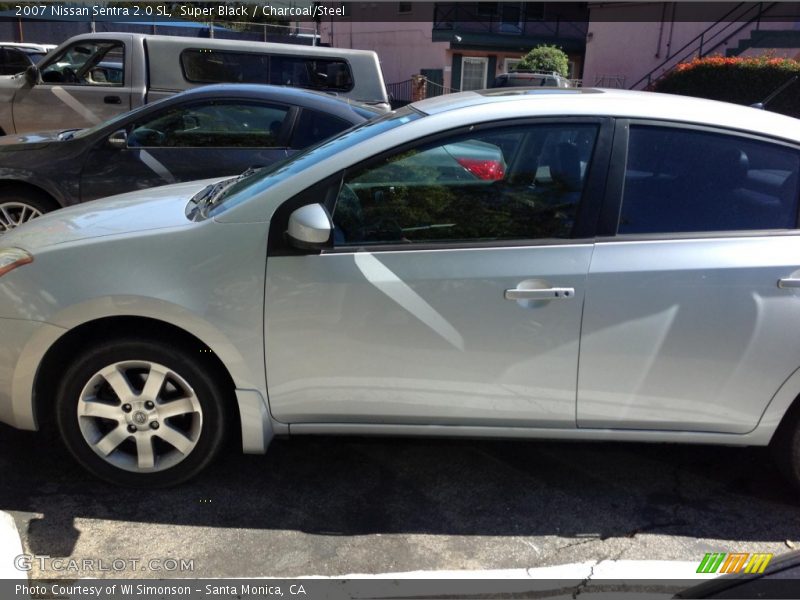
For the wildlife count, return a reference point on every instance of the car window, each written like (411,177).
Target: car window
(312,73)
(212,66)
(87,62)
(263,179)
(313,126)
(683,180)
(13,61)
(501,184)
(215,124)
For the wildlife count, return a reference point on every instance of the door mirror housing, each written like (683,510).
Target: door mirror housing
(32,75)
(119,139)
(310,228)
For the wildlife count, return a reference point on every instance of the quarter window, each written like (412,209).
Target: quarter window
(514,183)
(313,126)
(215,124)
(682,180)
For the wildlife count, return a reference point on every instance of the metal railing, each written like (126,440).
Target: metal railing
(466,17)
(708,40)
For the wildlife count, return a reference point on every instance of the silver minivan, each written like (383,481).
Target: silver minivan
(92,77)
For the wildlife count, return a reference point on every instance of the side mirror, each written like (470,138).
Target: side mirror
(310,227)
(119,139)
(32,75)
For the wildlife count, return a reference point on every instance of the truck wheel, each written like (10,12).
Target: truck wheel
(141,414)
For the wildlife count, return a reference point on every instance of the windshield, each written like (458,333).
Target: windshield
(265,178)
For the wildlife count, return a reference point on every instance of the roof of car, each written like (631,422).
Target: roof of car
(536,101)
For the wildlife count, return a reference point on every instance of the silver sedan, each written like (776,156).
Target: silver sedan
(525,263)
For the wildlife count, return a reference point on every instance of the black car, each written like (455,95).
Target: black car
(211,131)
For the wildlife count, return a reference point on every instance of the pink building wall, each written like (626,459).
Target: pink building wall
(404,48)
(618,53)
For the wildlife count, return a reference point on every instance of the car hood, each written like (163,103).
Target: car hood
(28,141)
(143,210)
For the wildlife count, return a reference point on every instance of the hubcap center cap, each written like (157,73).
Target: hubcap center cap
(140,417)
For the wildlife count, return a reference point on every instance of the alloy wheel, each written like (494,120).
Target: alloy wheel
(14,214)
(139,416)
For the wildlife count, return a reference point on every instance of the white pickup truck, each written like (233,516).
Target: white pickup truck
(92,77)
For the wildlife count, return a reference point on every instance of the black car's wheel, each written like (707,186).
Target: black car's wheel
(18,207)
(141,414)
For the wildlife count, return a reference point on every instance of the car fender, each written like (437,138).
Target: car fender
(61,196)
(95,309)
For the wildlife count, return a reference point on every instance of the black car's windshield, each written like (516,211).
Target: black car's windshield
(262,179)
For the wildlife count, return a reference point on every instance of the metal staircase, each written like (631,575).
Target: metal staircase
(741,17)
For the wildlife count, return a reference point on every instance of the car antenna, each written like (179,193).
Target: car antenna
(763,104)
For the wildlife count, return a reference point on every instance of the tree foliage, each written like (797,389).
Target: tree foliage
(738,80)
(546,59)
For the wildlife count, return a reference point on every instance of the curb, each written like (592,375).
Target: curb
(10,548)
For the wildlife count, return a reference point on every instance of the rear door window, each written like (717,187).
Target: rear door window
(686,180)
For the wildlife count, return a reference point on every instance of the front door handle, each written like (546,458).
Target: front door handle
(112,100)
(789,282)
(541,294)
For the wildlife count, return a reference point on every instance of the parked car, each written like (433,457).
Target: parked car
(634,275)
(16,57)
(90,78)
(215,130)
(523,78)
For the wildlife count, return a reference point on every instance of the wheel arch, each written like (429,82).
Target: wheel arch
(26,187)
(782,409)
(56,359)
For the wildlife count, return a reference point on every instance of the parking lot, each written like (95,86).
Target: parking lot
(335,506)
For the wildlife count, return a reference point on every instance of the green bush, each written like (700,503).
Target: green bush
(738,80)
(546,59)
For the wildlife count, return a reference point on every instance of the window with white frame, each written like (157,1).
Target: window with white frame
(473,73)
(509,64)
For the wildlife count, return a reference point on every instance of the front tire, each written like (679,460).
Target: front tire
(141,414)
(17,208)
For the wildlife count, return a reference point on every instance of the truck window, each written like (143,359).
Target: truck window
(211,66)
(87,62)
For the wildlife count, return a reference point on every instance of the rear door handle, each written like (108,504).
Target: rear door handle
(789,282)
(112,100)
(541,294)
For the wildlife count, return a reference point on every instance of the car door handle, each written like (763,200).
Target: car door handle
(541,294)
(789,282)
(112,100)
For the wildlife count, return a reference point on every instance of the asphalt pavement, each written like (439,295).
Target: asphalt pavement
(335,506)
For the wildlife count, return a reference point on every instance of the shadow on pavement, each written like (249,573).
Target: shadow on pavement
(359,486)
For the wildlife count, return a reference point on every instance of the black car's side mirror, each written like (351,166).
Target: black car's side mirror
(119,139)
(32,75)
